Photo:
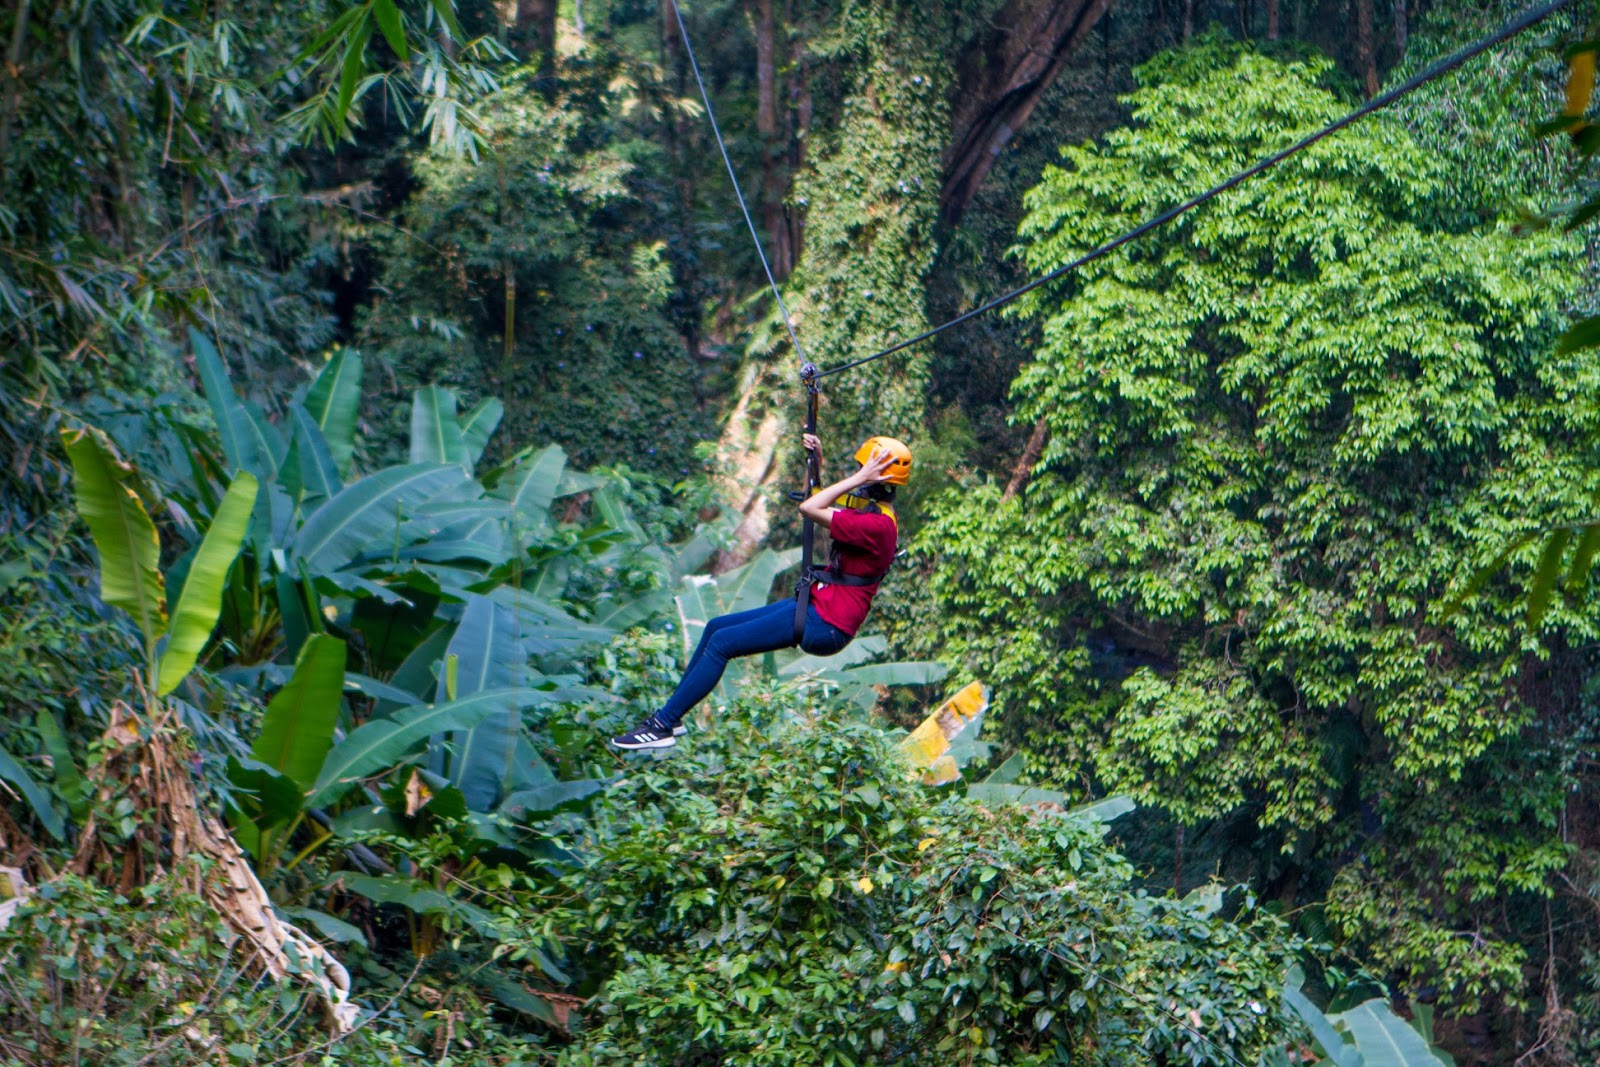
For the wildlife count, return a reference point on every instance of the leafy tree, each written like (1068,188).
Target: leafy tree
(1277,430)
(785,892)
(534,275)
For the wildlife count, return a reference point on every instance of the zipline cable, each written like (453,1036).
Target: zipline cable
(808,370)
(705,97)
(1448,63)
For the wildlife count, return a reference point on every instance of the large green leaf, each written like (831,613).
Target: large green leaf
(545,799)
(488,652)
(35,794)
(381,743)
(420,897)
(903,672)
(477,427)
(264,799)
(71,785)
(297,729)
(334,402)
(1333,1046)
(124,536)
(435,432)
(619,613)
(1383,1038)
(365,515)
(531,487)
(1547,574)
(747,587)
(1105,810)
(389,22)
(998,793)
(195,615)
(244,443)
(310,473)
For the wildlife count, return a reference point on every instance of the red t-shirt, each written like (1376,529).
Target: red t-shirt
(865,545)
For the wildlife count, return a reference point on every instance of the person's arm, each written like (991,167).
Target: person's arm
(819,505)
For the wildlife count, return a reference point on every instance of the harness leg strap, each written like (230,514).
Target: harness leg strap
(802,601)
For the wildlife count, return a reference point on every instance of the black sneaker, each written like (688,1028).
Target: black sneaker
(647,735)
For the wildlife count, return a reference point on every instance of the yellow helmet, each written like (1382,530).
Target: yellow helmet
(899,471)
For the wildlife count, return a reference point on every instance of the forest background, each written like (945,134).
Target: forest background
(390,391)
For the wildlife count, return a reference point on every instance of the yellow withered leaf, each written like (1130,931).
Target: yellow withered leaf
(927,746)
(1580,83)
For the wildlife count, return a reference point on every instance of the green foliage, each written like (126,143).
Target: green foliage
(534,276)
(784,892)
(1278,430)
(872,202)
(1367,1035)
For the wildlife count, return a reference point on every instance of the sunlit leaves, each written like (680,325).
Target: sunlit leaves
(1280,433)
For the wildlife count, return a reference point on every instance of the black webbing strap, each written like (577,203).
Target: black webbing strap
(808,532)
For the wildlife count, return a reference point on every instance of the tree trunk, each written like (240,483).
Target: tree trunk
(802,106)
(1030,456)
(19,34)
(1272,19)
(1400,27)
(1366,58)
(1177,861)
(772,153)
(533,34)
(508,343)
(1188,19)
(1001,79)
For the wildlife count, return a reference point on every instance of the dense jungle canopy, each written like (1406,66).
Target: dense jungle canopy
(391,392)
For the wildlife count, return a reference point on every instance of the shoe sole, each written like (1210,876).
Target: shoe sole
(665,742)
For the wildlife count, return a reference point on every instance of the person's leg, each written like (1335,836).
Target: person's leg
(746,634)
(720,622)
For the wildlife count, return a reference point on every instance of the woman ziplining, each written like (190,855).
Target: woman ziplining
(858,512)
(864,530)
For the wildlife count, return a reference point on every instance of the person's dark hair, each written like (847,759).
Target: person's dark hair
(881,491)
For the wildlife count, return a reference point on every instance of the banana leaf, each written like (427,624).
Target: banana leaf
(419,897)
(310,473)
(124,536)
(1384,1039)
(201,599)
(297,729)
(364,516)
(37,796)
(382,743)
(334,403)
(244,442)
(488,649)
(531,487)
(435,431)
(478,426)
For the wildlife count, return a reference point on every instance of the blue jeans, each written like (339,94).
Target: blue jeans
(747,633)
